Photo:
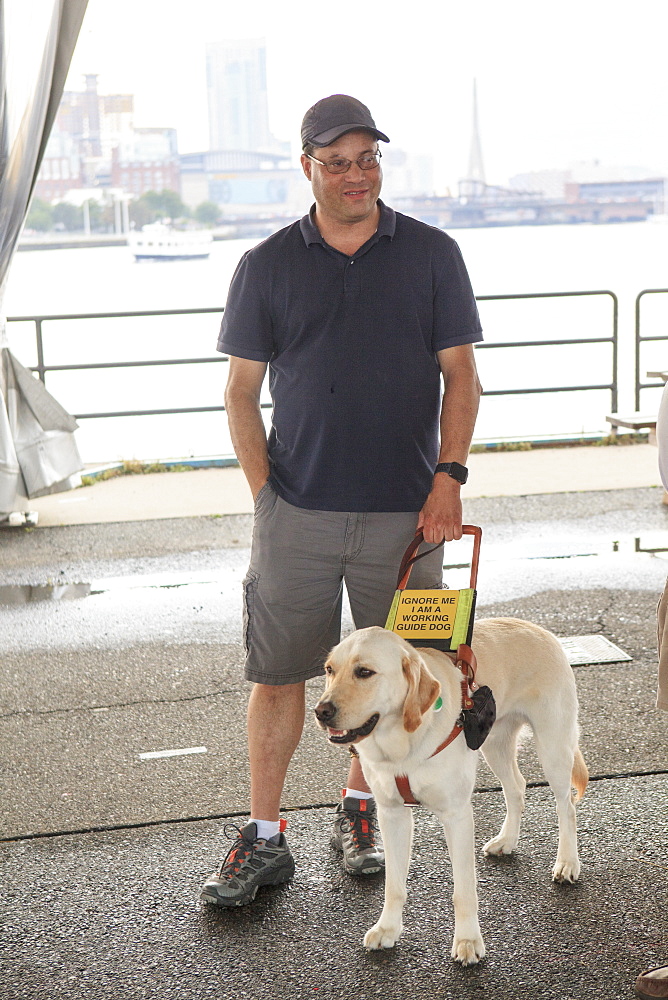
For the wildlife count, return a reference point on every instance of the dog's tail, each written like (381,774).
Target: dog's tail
(579,774)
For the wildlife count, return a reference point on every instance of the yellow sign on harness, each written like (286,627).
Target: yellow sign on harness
(442,619)
(428,615)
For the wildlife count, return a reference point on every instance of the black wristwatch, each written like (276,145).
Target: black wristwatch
(454,469)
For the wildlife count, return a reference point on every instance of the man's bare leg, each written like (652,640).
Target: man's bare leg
(275,724)
(356,778)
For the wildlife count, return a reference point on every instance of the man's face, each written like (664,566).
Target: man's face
(349,197)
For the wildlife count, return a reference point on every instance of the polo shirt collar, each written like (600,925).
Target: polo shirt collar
(386,225)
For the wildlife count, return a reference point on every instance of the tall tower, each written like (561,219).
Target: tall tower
(237,94)
(476,170)
(92,113)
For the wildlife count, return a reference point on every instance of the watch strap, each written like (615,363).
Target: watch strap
(453,469)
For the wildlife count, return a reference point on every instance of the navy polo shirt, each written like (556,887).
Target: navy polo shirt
(351,344)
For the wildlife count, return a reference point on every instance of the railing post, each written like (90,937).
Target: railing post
(637,352)
(615,353)
(640,383)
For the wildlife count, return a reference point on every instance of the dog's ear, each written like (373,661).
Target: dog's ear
(423,690)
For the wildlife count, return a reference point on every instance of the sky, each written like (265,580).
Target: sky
(558,82)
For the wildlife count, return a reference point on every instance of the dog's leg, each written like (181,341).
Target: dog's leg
(396,827)
(467,945)
(500,752)
(556,757)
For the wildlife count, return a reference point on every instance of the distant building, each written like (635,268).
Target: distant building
(244,184)
(551,183)
(94,144)
(146,160)
(649,191)
(61,168)
(236,75)
(246,171)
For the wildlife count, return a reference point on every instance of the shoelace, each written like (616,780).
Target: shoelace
(361,828)
(238,852)
(242,852)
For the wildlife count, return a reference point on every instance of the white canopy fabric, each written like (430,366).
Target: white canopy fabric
(37,450)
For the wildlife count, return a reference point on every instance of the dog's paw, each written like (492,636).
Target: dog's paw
(468,951)
(500,845)
(566,871)
(382,936)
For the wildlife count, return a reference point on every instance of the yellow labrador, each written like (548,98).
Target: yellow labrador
(380,694)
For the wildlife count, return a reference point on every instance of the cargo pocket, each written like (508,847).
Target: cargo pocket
(250,590)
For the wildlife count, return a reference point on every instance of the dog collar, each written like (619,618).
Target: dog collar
(466,662)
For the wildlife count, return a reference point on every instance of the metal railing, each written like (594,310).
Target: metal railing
(639,340)
(42,368)
(613,339)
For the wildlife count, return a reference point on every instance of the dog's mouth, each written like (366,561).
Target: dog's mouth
(350,735)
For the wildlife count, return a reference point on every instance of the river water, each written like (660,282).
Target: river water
(511,260)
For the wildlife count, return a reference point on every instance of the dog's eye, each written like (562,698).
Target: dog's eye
(328,668)
(364,672)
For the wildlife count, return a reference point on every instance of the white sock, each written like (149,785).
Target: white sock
(266,829)
(354,794)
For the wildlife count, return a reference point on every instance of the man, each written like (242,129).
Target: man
(653,983)
(361,314)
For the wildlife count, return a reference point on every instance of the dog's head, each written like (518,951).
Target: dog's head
(371,675)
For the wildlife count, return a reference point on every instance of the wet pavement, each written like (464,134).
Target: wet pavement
(121,641)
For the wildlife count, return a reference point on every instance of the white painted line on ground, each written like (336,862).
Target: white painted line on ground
(170,753)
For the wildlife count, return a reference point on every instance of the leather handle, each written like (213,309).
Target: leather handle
(409,556)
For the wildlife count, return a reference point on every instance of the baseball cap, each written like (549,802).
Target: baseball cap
(333,116)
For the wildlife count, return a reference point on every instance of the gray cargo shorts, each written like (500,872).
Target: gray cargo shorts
(293,590)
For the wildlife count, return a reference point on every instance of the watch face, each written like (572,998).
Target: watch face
(455,470)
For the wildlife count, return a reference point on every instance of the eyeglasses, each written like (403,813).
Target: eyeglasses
(367,161)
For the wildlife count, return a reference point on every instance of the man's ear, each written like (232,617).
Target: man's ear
(307,166)
(423,690)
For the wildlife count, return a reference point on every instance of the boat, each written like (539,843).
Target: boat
(159,242)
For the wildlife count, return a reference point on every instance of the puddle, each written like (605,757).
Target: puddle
(29,593)
(527,551)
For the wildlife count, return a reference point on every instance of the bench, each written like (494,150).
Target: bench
(635,422)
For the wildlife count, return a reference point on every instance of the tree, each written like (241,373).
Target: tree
(208,213)
(141,213)
(153,206)
(68,217)
(40,216)
(101,217)
(173,206)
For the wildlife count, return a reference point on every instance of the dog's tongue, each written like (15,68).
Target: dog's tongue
(337,732)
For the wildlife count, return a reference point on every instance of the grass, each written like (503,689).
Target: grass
(133,468)
(609,441)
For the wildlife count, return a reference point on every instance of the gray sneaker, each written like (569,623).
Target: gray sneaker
(249,863)
(354,835)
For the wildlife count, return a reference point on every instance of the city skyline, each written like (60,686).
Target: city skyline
(588,84)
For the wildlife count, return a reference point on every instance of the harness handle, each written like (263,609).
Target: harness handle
(409,557)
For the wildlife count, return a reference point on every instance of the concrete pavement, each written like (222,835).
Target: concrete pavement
(104,849)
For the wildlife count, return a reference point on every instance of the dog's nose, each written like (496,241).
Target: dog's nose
(325,711)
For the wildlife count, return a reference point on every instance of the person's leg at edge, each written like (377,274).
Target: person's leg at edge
(662,642)
(653,983)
